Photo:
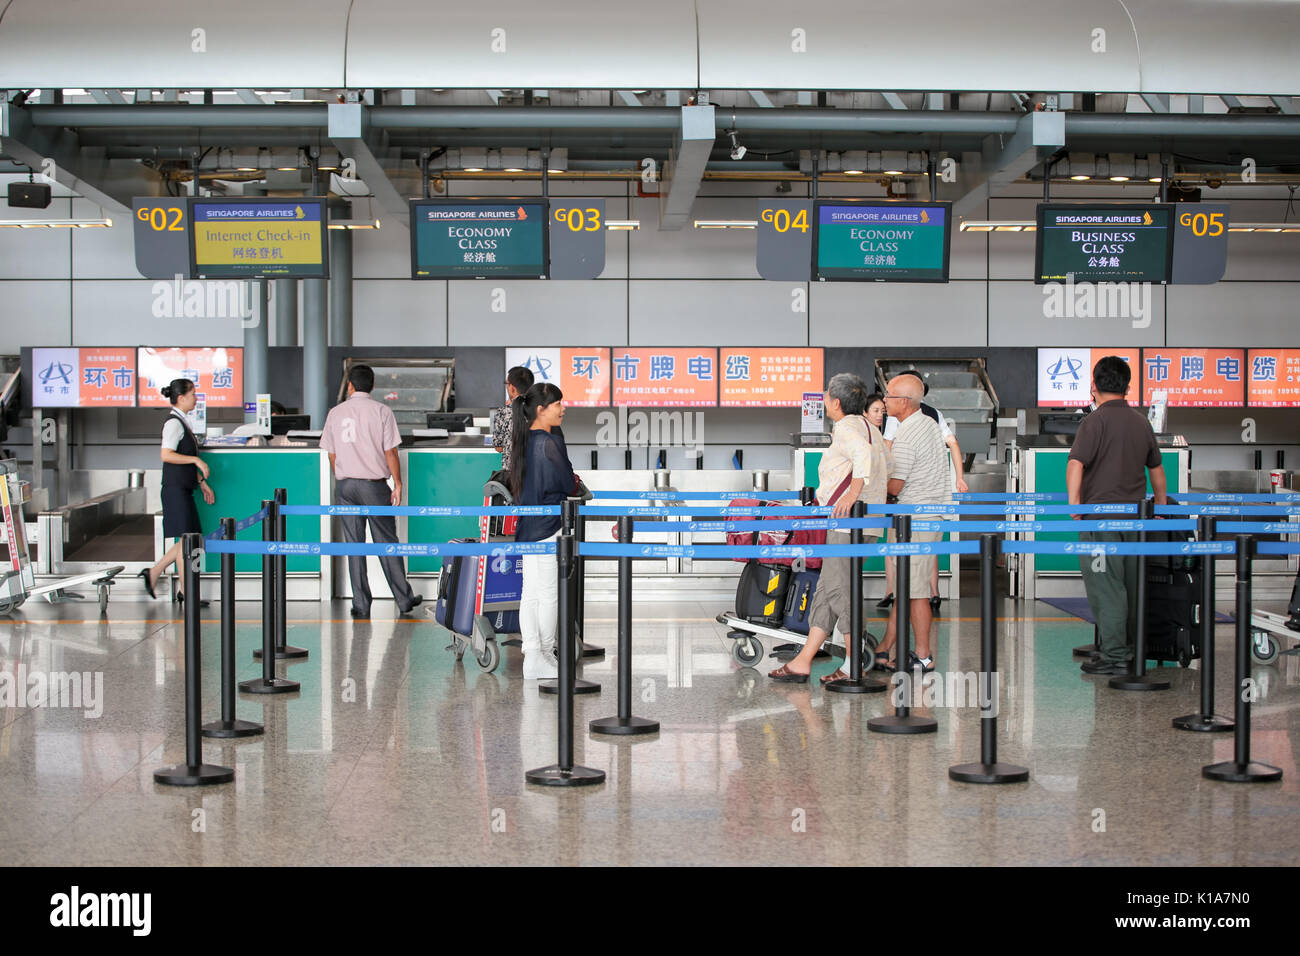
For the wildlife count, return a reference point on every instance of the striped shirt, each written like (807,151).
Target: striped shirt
(921,462)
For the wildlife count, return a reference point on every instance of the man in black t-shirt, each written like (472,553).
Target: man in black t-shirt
(1112,453)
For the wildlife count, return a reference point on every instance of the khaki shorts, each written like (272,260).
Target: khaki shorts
(921,566)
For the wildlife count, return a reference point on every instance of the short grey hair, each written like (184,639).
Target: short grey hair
(851,392)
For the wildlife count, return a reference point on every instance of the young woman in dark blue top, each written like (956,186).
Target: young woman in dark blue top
(540,474)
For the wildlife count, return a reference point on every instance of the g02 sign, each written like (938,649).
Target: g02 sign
(162,246)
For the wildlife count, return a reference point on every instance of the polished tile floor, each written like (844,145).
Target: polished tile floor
(393,752)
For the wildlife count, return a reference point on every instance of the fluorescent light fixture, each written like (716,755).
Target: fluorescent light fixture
(55,223)
(997,225)
(554,171)
(726,224)
(893,172)
(1264,227)
(622,225)
(1080,178)
(513,169)
(853,172)
(473,169)
(1154,179)
(354,224)
(1119,179)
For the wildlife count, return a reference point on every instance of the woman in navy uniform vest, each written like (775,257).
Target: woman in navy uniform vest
(182,471)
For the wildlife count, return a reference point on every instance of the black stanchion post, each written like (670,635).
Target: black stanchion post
(1138,679)
(568,526)
(1241,769)
(564,773)
(268,683)
(624,723)
(988,770)
(228,726)
(194,772)
(855,683)
(902,721)
(283,652)
(589,651)
(1207,721)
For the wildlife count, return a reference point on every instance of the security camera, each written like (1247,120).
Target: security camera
(737,151)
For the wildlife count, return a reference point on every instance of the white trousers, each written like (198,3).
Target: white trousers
(539,601)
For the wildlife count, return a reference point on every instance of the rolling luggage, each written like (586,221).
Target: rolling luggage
(798,601)
(1173,613)
(760,595)
(457,587)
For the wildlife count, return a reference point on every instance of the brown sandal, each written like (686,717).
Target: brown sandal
(783,673)
(839,674)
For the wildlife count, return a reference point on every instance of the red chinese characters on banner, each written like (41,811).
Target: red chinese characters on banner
(768,378)
(666,377)
(217,374)
(1204,378)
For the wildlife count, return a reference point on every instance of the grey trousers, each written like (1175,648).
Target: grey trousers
(383,529)
(1111,584)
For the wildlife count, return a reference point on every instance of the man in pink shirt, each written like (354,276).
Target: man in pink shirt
(361,438)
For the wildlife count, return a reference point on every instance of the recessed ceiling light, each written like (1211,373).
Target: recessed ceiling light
(473,169)
(1080,178)
(1154,179)
(893,172)
(1119,179)
(852,172)
(513,169)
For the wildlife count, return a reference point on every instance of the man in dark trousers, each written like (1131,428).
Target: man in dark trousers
(1112,453)
(361,438)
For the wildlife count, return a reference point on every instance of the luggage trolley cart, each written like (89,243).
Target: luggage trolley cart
(478,597)
(18,581)
(1267,629)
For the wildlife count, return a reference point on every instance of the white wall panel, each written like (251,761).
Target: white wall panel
(538,313)
(399,312)
(691,253)
(35,312)
(36,253)
(122,313)
(383,253)
(715,313)
(1016,318)
(898,314)
(102,253)
(1261,314)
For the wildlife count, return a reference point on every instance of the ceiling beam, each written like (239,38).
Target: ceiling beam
(31,146)
(1003,161)
(1156,102)
(349,130)
(895,101)
(684,172)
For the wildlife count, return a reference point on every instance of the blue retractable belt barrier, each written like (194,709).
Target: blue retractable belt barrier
(805,524)
(243,524)
(772,552)
(1231,497)
(697,495)
(396,550)
(647,511)
(1277,547)
(1173,548)
(430,511)
(978,496)
(1258,527)
(1010,509)
(1210,509)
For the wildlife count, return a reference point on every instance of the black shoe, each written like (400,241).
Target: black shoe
(148,585)
(934,604)
(1107,667)
(419,599)
(886,601)
(358,613)
(180,599)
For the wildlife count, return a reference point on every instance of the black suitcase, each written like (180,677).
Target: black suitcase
(798,601)
(760,595)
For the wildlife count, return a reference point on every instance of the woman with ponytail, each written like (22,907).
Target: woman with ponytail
(540,474)
(183,471)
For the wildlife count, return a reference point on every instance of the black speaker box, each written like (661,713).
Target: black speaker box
(29,195)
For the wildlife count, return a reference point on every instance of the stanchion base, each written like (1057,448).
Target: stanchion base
(1233,772)
(592,652)
(624,726)
(1133,682)
(231,728)
(893,724)
(276,685)
(1085,650)
(286,653)
(556,776)
(988,773)
(552,686)
(184,775)
(863,685)
(1205,723)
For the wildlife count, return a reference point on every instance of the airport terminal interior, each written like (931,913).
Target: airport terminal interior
(690,220)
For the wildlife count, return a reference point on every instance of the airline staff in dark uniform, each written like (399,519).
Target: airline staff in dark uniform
(182,471)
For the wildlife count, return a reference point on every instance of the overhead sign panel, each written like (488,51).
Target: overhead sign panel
(582,374)
(1065,375)
(1274,380)
(882,242)
(470,239)
(1103,243)
(217,374)
(1204,378)
(768,378)
(258,238)
(83,378)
